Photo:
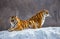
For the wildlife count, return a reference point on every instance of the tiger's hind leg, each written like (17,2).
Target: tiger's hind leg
(39,25)
(34,25)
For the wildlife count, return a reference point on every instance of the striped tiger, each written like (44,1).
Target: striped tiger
(34,22)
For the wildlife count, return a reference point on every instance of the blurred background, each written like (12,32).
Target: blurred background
(24,9)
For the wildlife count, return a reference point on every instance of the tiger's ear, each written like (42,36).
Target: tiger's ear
(9,17)
(17,17)
(45,10)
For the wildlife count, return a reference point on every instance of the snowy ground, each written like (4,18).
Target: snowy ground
(42,33)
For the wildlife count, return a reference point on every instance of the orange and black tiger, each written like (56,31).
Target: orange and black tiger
(34,22)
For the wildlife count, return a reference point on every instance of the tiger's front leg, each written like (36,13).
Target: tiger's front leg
(11,29)
(17,28)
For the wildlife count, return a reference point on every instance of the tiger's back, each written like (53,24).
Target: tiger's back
(38,19)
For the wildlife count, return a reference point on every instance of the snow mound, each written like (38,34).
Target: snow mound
(42,33)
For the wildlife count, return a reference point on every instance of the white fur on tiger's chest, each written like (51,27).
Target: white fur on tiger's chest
(43,20)
(12,25)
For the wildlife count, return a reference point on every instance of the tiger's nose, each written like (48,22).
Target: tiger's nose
(49,15)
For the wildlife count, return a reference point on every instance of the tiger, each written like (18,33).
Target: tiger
(17,24)
(36,21)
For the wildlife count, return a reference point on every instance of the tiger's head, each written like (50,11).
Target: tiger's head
(13,21)
(45,12)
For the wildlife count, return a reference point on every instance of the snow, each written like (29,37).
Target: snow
(42,33)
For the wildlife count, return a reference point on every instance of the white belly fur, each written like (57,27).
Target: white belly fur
(43,20)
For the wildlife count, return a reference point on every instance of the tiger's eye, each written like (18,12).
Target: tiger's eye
(46,12)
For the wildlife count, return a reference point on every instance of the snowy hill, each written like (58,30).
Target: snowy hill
(42,33)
